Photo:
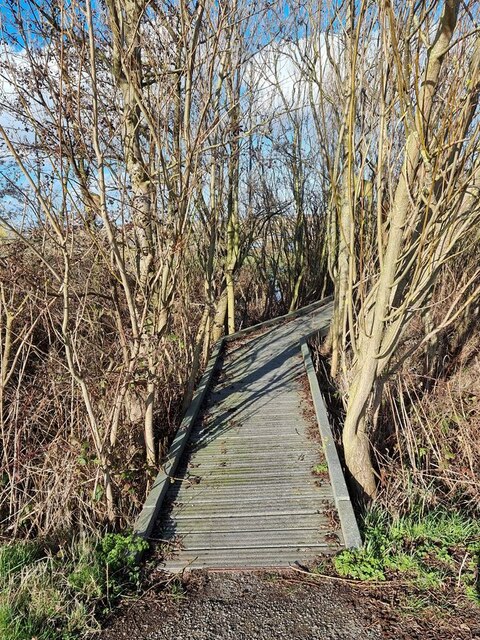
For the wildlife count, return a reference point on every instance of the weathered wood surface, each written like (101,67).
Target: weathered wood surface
(245,495)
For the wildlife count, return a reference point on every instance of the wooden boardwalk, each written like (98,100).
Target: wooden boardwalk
(245,495)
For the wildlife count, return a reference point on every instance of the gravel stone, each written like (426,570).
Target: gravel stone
(270,606)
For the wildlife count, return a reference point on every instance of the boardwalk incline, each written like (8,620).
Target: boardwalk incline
(245,483)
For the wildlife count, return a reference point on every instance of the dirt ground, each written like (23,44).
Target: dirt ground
(268,606)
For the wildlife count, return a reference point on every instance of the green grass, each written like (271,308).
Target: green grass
(176,589)
(57,594)
(429,551)
(320,469)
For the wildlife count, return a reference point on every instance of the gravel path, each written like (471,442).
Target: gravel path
(263,606)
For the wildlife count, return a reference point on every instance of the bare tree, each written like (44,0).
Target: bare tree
(404,186)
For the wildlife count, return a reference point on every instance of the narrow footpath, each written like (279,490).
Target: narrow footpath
(247,494)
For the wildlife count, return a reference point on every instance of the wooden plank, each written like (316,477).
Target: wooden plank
(251,463)
(256,503)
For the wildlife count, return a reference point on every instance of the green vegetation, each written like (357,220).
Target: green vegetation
(429,550)
(320,469)
(56,593)
(176,589)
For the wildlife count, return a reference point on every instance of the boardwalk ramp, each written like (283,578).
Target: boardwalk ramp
(252,488)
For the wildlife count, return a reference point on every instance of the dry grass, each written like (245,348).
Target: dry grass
(432,455)
(427,439)
(51,479)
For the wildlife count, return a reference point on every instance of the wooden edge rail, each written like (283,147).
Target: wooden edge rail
(343,503)
(146,520)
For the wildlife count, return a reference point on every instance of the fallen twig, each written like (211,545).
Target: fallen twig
(358,583)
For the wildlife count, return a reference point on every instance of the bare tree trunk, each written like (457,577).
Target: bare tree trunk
(370,361)
(125,17)
(233,235)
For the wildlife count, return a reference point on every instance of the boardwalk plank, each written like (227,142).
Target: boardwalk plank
(245,495)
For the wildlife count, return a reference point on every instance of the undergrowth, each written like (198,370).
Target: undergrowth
(58,593)
(433,552)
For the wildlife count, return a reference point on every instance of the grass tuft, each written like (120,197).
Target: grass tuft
(430,551)
(57,594)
